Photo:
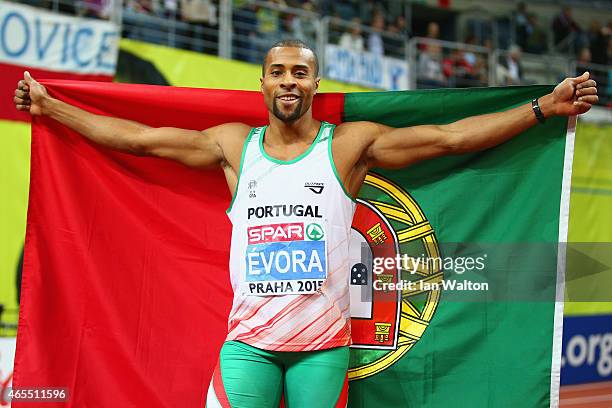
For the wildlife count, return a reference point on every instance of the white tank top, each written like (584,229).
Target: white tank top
(289,260)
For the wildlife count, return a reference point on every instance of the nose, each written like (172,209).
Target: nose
(288,81)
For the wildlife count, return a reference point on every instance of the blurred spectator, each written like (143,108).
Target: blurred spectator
(324,7)
(522,24)
(202,17)
(529,35)
(336,28)
(394,42)
(268,25)
(345,9)
(609,59)
(537,40)
(139,24)
(244,23)
(470,55)
(353,40)
(375,42)
(141,6)
(369,9)
(429,70)
(510,69)
(600,74)
(598,41)
(452,66)
(461,71)
(584,57)
(170,8)
(563,26)
(476,61)
(402,26)
(302,27)
(433,32)
(96,8)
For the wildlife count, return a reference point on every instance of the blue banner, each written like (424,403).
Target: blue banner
(587,349)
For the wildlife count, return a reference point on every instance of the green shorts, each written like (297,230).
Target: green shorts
(248,377)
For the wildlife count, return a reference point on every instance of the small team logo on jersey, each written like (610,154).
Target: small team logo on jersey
(252,186)
(316,188)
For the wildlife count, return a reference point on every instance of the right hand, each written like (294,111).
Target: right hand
(30,95)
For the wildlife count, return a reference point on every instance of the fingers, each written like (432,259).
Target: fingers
(581,78)
(22,101)
(22,94)
(22,85)
(28,78)
(586,91)
(582,107)
(591,99)
(22,104)
(586,84)
(21,98)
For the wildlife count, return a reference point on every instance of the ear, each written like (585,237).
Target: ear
(317,80)
(261,84)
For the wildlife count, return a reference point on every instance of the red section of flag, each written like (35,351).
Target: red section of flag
(11,74)
(125,289)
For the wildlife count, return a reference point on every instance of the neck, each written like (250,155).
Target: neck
(301,130)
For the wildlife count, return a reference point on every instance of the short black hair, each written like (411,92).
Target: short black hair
(292,43)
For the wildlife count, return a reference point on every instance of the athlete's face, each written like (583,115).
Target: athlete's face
(289,82)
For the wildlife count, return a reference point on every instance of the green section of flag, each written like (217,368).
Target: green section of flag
(480,349)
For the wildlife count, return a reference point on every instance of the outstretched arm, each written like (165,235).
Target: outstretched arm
(190,147)
(395,148)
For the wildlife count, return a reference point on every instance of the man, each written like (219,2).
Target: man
(375,41)
(510,66)
(289,327)
(352,40)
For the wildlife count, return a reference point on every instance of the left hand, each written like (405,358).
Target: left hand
(574,96)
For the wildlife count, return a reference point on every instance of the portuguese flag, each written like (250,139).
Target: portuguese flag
(126,291)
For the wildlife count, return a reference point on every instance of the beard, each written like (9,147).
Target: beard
(291,116)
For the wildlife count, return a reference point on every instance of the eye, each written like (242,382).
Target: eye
(275,73)
(300,74)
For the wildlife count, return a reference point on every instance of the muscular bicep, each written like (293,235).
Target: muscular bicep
(199,149)
(401,147)
(190,147)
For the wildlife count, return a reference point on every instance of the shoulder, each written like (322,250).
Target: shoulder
(230,137)
(353,139)
(359,131)
(233,130)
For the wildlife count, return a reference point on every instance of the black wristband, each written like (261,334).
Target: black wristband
(537,111)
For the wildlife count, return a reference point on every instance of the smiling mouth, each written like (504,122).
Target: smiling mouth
(288,98)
